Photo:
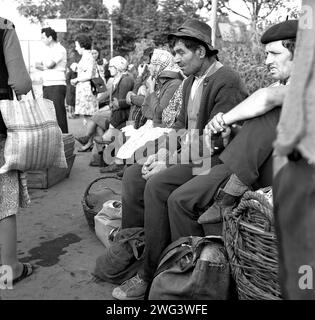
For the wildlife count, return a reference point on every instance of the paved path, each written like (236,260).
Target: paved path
(53,234)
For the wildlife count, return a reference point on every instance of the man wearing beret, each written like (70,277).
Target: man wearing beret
(210,88)
(249,156)
(294,185)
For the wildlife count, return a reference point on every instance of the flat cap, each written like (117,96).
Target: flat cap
(195,29)
(281,31)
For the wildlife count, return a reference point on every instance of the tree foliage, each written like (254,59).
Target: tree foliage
(80,9)
(133,21)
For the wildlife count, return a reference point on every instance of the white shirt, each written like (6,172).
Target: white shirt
(57,75)
(198,80)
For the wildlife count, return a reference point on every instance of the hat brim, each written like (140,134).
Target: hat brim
(186,35)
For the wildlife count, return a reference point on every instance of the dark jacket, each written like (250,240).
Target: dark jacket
(222,91)
(154,104)
(120,91)
(13,73)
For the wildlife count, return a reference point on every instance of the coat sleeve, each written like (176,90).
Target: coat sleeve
(19,79)
(155,105)
(126,85)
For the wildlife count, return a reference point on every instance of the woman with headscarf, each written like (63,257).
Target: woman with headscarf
(116,112)
(163,83)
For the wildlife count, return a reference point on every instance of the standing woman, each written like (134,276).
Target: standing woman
(13,189)
(86,103)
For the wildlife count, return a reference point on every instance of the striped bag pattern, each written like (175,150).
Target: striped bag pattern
(34,139)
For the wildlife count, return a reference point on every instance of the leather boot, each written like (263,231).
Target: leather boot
(222,201)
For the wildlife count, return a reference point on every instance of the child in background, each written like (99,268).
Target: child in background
(70,95)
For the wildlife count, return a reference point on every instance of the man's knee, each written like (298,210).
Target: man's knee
(174,200)
(155,184)
(131,175)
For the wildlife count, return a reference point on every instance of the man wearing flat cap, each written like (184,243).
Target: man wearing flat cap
(148,190)
(249,155)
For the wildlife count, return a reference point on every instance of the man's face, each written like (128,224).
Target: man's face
(189,61)
(278,60)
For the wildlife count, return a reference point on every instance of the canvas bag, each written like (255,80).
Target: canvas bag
(34,138)
(123,258)
(192,268)
(108,221)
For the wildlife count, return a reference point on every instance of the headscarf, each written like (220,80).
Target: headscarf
(119,63)
(163,60)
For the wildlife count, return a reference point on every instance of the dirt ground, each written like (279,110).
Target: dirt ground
(54,236)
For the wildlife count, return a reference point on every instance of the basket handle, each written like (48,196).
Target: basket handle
(101,178)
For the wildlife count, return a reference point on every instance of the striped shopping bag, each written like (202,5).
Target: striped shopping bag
(34,139)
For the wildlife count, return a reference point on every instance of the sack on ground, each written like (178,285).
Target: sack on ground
(34,139)
(123,258)
(193,268)
(108,222)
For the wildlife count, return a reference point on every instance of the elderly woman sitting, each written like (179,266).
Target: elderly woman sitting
(162,88)
(116,113)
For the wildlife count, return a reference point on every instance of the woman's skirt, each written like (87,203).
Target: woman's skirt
(13,188)
(85,102)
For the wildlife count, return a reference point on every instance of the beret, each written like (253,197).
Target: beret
(281,31)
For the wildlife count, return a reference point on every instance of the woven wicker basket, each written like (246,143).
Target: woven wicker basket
(105,193)
(252,248)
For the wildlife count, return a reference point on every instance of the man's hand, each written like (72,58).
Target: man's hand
(152,169)
(152,158)
(150,84)
(39,66)
(115,104)
(128,97)
(216,124)
(141,69)
(74,81)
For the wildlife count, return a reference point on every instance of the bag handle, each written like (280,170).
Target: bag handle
(106,188)
(182,247)
(177,243)
(172,257)
(134,248)
(18,98)
(202,242)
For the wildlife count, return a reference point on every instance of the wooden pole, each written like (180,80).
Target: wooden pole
(111,39)
(214,20)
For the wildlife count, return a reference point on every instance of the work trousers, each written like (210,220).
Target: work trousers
(57,95)
(294,209)
(249,155)
(168,206)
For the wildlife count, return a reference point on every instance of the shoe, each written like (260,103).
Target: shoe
(26,272)
(112,168)
(83,140)
(222,202)
(94,163)
(86,148)
(120,173)
(132,289)
(99,140)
